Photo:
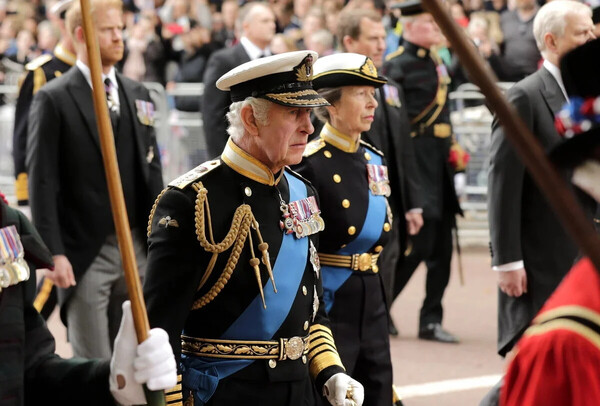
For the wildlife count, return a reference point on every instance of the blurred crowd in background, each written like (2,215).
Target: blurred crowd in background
(169,41)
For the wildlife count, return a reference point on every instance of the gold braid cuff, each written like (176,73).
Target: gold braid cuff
(322,352)
(174,396)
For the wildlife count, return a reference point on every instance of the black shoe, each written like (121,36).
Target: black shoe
(435,332)
(392,328)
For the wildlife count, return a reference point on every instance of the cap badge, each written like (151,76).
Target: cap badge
(304,69)
(369,68)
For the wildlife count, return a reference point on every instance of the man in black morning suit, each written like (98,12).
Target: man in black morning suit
(233,272)
(362,31)
(531,251)
(423,76)
(68,191)
(257,23)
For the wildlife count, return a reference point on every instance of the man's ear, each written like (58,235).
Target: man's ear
(79,34)
(347,42)
(550,42)
(248,120)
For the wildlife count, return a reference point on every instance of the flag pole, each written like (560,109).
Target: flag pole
(115,191)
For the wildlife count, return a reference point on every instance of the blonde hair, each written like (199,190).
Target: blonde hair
(552,18)
(260,109)
(74,18)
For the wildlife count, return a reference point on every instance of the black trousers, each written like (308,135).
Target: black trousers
(359,321)
(433,245)
(235,391)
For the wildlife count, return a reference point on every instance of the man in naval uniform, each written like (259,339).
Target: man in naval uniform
(422,75)
(39,71)
(233,272)
(30,372)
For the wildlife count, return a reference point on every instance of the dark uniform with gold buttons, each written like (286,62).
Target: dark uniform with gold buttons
(351,179)
(233,274)
(424,78)
(39,72)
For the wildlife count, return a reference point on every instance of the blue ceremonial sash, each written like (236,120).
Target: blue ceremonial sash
(334,277)
(202,375)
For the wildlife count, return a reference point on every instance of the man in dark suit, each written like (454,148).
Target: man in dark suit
(423,76)
(362,31)
(530,249)
(257,24)
(69,195)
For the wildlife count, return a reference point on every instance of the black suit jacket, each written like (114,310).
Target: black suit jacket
(215,102)
(30,371)
(68,191)
(523,226)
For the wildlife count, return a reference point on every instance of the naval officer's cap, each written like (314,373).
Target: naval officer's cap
(60,8)
(410,8)
(285,79)
(346,69)
(579,120)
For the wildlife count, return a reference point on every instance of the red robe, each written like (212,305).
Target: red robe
(558,359)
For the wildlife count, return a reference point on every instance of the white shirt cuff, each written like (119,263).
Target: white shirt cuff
(417,210)
(511,266)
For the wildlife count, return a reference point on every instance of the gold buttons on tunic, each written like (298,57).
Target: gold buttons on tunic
(351,230)
(387,227)
(248,191)
(327,154)
(272,363)
(367,156)
(304,290)
(337,178)
(304,359)
(345,203)
(375,268)
(379,248)
(306,325)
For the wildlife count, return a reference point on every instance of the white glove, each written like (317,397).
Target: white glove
(151,362)
(26,210)
(342,390)
(460,183)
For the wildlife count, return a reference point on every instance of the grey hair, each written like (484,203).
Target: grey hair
(552,18)
(260,109)
(332,95)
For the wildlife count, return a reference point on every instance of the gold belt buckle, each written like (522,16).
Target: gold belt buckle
(364,262)
(292,348)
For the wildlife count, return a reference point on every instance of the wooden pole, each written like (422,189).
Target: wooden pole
(529,149)
(115,190)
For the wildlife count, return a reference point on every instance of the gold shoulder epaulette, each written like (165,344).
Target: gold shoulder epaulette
(394,54)
(313,146)
(195,174)
(377,151)
(39,61)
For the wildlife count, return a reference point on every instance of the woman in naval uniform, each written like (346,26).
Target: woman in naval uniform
(351,179)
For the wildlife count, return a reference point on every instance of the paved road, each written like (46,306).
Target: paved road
(432,374)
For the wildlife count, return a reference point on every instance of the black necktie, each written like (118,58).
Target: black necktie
(113,108)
